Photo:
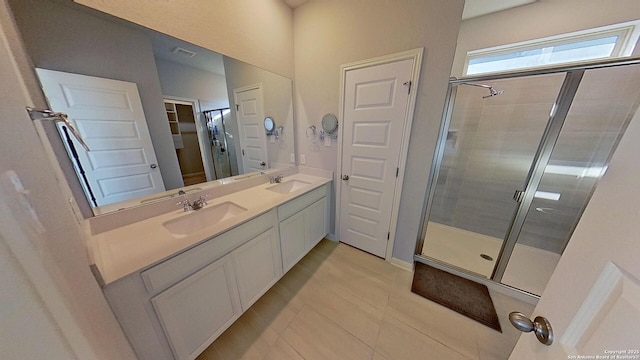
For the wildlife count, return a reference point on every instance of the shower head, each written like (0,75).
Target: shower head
(492,91)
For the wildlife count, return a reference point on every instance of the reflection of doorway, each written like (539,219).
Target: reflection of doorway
(218,139)
(108,115)
(253,139)
(182,120)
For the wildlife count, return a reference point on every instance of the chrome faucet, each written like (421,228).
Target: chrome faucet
(275,180)
(185,203)
(200,203)
(195,205)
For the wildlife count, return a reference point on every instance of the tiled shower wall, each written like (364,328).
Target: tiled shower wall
(491,144)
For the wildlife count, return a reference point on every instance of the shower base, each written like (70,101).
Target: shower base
(471,251)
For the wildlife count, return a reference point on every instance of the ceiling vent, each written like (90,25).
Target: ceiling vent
(183,52)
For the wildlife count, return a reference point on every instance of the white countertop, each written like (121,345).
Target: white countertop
(127,249)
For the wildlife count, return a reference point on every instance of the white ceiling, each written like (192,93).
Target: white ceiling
(207,60)
(472,8)
(475,8)
(204,59)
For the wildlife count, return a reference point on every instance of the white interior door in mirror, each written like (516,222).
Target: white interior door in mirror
(253,139)
(592,299)
(109,117)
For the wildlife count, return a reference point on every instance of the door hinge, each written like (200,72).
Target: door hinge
(408,85)
(242,152)
(237,107)
(518,195)
(388,235)
(397,171)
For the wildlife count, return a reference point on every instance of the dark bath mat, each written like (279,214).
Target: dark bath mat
(458,294)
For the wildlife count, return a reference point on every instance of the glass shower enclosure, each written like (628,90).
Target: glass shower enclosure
(518,158)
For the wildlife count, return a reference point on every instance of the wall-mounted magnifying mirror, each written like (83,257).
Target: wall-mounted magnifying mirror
(269,125)
(330,124)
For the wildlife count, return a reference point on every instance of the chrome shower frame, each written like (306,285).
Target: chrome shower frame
(565,97)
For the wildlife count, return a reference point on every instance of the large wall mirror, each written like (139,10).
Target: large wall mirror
(203,112)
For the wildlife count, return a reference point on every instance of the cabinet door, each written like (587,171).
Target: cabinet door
(195,311)
(315,223)
(257,266)
(292,240)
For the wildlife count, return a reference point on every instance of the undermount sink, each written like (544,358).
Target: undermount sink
(288,186)
(203,218)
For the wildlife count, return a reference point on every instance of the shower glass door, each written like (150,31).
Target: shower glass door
(603,105)
(491,143)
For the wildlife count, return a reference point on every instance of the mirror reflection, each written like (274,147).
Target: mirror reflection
(201,113)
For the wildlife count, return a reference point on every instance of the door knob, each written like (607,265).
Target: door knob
(345,177)
(540,326)
(263,164)
(153,166)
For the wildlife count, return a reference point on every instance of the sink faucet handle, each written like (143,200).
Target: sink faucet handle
(203,198)
(186,205)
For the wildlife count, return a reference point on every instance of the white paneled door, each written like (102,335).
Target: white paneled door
(253,138)
(375,107)
(592,300)
(108,115)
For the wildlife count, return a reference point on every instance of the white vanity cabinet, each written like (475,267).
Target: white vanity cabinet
(304,221)
(258,266)
(175,308)
(195,311)
(178,307)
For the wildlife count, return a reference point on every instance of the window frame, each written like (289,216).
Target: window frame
(628,34)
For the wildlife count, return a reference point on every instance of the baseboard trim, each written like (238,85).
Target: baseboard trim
(401,264)
(331,236)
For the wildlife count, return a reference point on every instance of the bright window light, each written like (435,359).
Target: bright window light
(595,44)
(577,171)
(547,195)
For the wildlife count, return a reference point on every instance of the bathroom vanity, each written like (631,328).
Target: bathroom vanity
(176,281)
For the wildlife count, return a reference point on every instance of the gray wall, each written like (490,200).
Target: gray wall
(58,37)
(67,301)
(188,82)
(330,33)
(278,103)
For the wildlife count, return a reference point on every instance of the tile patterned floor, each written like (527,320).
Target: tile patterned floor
(341,303)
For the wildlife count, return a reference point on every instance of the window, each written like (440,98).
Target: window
(595,44)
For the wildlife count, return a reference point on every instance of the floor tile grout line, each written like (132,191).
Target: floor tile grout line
(384,313)
(339,326)
(439,341)
(280,337)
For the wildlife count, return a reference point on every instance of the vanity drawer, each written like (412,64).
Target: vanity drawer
(182,265)
(301,202)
